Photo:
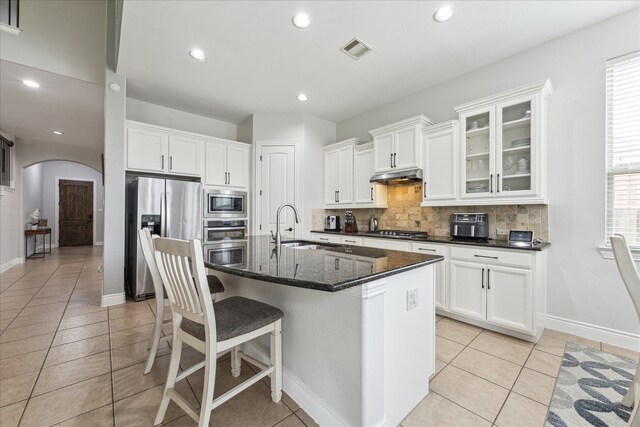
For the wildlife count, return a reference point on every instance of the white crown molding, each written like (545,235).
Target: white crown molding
(544,87)
(411,121)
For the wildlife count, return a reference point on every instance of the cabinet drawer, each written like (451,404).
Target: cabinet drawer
(395,245)
(424,248)
(512,258)
(330,238)
(352,240)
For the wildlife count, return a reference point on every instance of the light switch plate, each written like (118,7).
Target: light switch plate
(412,299)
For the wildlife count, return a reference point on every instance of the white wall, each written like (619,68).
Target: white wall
(582,286)
(164,116)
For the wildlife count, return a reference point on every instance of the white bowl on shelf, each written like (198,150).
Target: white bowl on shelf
(521,142)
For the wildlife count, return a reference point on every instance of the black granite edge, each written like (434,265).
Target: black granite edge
(326,287)
(498,244)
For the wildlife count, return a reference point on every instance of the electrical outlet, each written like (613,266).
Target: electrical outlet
(412,299)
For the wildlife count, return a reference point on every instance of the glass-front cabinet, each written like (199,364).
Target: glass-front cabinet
(502,142)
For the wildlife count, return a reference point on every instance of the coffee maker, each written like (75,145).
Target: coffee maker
(332,223)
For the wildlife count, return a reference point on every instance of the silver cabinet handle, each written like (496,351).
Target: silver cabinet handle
(394,160)
(229,175)
(425,190)
(498,183)
(335,196)
(162,165)
(391,160)
(426,249)
(338,196)
(491,184)
(488,279)
(349,241)
(486,256)
(323,238)
(483,278)
(372,194)
(170,162)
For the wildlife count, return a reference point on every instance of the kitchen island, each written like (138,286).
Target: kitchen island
(359,327)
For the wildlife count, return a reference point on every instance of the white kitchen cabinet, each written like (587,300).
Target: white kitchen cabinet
(352,240)
(338,173)
(156,149)
(335,264)
(227,164)
(440,175)
(365,193)
(503,147)
(495,286)
(399,145)
(327,237)
(396,245)
(441,272)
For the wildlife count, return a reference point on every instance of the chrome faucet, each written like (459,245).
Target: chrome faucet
(277,238)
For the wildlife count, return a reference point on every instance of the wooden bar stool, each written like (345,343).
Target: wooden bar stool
(211,328)
(631,279)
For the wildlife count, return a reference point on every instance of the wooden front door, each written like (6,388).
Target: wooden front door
(75,225)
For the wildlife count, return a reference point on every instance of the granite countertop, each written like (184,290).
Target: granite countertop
(491,243)
(329,269)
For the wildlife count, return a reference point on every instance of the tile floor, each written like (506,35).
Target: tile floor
(66,361)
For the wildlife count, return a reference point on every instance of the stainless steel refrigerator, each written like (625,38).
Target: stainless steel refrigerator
(169,208)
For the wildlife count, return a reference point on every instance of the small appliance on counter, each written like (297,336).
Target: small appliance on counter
(400,234)
(522,238)
(350,225)
(332,223)
(469,226)
(373,224)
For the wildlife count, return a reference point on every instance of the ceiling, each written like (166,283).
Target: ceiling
(63,103)
(257,61)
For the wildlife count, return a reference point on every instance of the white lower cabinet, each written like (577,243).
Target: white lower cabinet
(482,288)
(327,237)
(396,245)
(352,240)
(441,270)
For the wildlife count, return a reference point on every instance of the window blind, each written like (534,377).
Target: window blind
(623,148)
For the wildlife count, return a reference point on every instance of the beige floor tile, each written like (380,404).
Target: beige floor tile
(22,364)
(491,368)
(131,336)
(81,333)
(534,385)
(11,305)
(10,414)
(77,349)
(439,367)
(80,309)
(74,371)
(101,417)
(291,404)
(48,300)
(624,352)
(141,409)
(501,348)
(9,314)
(457,331)
(49,308)
(27,345)
(13,334)
(135,353)
(509,338)
(306,418)
(68,402)
(446,350)
(84,319)
(291,421)
(522,412)
(554,341)
(436,411)
(52,317)
(128,309)
(17,388)
(131,380)
(480,396)
(131,322)
(546,363)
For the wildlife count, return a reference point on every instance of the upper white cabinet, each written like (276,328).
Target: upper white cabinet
(503,147)
(440,175)
(155,149)
(227,164)
(399,145)
(365,193)
(338,173)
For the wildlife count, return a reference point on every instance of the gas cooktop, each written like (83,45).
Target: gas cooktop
(400,234)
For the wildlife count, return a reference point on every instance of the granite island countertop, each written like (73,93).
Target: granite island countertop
(331,268)
(490,243)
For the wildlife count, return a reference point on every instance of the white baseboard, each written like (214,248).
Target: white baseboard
(7,265)
(593,332)
(113,299)
(99,244)
(307,399)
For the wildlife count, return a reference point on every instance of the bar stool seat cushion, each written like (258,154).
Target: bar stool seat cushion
(235,316)
(215,285)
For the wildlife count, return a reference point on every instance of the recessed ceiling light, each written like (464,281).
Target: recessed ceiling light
(58,132)
(302,97)
(301,20)
(197,54)
(31,83)
(443,14)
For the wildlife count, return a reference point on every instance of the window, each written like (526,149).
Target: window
(623,148)
(6,160)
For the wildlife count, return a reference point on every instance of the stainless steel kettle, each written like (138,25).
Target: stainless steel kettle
(373,224)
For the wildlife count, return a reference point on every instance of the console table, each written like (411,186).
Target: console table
(44,231)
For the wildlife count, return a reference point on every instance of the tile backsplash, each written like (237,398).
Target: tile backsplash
(404,213)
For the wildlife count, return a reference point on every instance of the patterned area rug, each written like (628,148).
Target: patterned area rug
(590,386)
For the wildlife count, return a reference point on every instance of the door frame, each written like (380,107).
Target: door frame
(257,172)
(56,202)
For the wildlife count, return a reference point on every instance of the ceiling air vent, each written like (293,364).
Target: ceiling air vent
(356,49)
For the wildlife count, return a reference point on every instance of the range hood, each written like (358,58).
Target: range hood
(397,177)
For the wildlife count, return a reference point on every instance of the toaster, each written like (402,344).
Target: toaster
(469,226)
(332,223)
